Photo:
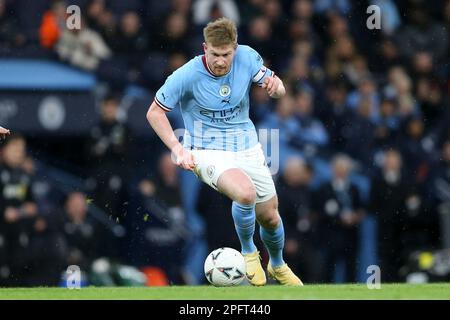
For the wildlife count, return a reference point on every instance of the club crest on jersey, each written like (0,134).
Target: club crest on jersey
(225,90)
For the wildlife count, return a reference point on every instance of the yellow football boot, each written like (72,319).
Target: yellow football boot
(284,275)
(255,273)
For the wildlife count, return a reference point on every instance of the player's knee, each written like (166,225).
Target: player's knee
(247,195)
(271,220)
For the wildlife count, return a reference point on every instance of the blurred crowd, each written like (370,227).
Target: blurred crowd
(364,134)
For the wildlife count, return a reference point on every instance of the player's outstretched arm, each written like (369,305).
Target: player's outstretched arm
(3,132)
(274,86)
(157,118)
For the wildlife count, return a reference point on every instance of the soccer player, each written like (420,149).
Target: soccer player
(220,143)
(3,132)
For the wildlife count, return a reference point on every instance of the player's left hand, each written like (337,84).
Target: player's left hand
(3,132)
(271,84)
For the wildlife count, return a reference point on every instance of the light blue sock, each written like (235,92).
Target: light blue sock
(244,222)
(274,241)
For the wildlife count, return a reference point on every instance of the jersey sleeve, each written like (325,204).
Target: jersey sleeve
(172,91)
(259,71)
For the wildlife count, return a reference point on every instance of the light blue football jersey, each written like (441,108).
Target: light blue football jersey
(215,109)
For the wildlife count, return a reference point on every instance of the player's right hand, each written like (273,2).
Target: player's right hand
(3,132)
(184,159)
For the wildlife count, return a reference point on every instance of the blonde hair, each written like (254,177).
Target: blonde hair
(220,32)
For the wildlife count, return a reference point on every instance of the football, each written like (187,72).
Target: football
(225,267)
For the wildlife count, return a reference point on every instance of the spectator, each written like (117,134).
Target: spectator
(422,35)
(327,6)
(53,24)
(101,19)
(260,36)
(94,11)
(298,75)
(18,213)
(313,135)
(390,18)
(416,150)
(366,93)
(337,27)
(174,36)
(446,13)
(184,7)
(400,88)
(296,206)
(131,42)
(261,105)
(206,10)
(442,131)
(289,129)
(249,10)
(107,153)
(431,98)
(388,56)
(340,211)
(388,196)
(83,48)
(10,35)
(441,192)
(336,115)
(338,54)
(302,9)
(301,24)
(160,220)
(356,71)
(388,125)
(359,134)
(273,11)
(84,237)
(306,49)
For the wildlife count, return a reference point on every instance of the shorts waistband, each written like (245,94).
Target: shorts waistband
(258,145)
(198,148)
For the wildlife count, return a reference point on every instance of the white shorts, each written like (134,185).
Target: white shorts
(210,164)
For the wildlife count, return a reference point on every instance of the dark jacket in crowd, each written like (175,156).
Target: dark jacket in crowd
(339,241)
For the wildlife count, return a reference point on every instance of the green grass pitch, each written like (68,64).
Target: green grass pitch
(269,292)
